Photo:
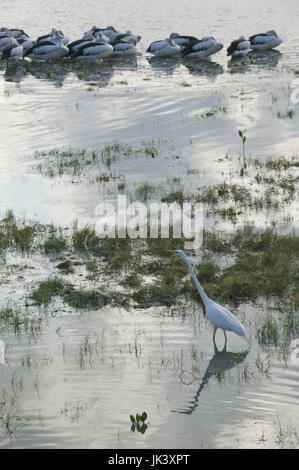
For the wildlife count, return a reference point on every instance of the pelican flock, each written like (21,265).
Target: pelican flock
(99,43)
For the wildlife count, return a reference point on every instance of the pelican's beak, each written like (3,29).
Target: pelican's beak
(169,251)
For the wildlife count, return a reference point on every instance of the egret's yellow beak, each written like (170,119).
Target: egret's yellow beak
(169,251)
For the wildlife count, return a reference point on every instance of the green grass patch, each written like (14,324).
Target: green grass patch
(268,333)
(47,290)
(85,299)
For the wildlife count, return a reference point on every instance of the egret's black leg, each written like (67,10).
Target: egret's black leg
(225,336)
(215,329)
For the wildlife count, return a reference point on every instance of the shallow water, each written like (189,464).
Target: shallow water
(140,362)
(143,360)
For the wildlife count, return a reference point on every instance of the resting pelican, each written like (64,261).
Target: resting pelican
(182,41)
(14,32)
(166,48)
(127,36)
(202,48)
(93,50)
(12,52)
(239,47)
(124,48)
(47,50)
(54,34)
(110,32)
(264,41)
(7,40)
(75,45)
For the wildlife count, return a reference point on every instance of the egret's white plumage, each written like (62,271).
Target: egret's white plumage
(220,316)
(264,41)
(164,48)
(239,47)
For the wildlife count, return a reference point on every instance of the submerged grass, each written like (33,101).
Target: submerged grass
(14,234)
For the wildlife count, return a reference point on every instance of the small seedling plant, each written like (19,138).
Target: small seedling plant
(138,422)
(243,138)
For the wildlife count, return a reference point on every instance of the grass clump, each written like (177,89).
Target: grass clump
(55,243)
(15,235)
(282,163)
(85,238)
(144,191)
(175,196)
(133,280)
(66,267)
(223,192)
(85,299)
(207,270)
(268,333)
(47,290)
(154,295)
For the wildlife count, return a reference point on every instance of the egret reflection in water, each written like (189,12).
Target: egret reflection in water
(218,364)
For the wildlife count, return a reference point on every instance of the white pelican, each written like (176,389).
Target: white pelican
(182,41)
(124,48)
(99,35)
(26,42)
(6,40)
(47,50)
(166,48)
(54,34)
(12,52)
(110,32)
(238,47)
(93,50)
(75,45)
(127,36)
(220,316)
(14,32)
(264,41)
(202,48)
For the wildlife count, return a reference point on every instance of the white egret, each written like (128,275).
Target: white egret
(220,316)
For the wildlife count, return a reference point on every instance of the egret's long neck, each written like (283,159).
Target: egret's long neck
(202,293)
